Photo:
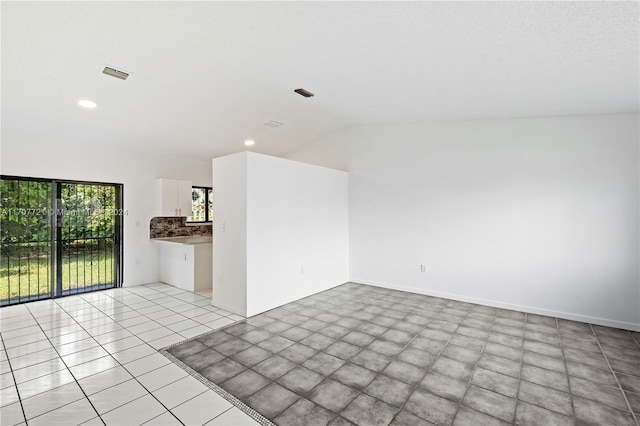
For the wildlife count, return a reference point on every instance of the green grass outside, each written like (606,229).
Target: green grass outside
(32,276)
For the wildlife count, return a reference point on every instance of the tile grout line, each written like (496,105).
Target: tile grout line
(323,305)
(413,387)
(127,327)
(74,319)
(123,366)
(173,311)
(566,368)
(432,320)
(235,402)
(446,344)
(222,392)
(517,397)
(68,369)
(637,342)
(493,322)
(15,384)
(157,351)
(93,338)
(299,365)
(624,395)
(141,314)
(90,303)
(224,412)
(522,363)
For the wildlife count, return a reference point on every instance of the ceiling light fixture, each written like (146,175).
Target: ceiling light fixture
(249,142)
(85,103)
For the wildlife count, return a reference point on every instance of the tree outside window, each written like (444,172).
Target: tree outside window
(201,205)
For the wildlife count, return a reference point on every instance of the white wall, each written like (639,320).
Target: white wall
(25,154)
(296,237)
(297,231)
(539,215)
(230,233)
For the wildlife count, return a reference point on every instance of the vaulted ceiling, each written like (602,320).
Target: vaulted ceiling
(205,76)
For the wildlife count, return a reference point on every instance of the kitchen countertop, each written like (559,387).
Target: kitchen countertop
(190,240)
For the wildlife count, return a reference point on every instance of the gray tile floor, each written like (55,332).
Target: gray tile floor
(92,359)
(364,355)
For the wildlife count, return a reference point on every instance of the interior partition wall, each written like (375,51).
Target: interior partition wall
(58,237)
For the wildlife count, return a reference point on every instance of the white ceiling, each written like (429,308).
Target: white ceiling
(205,76)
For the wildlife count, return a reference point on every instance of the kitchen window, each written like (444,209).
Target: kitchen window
(201,204)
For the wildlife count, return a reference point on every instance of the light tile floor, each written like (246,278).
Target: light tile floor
(92,359)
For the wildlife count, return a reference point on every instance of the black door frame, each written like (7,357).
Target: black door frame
(56,222)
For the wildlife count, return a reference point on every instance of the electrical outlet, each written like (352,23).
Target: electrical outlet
(423,268)
(221,277)
(302,269)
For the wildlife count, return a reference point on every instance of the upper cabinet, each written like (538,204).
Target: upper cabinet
(173,197)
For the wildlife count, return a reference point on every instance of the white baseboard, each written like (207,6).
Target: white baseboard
(128,284)
(496,304)
(300,296)
(228,308)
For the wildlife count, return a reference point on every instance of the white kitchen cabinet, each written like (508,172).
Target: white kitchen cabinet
(173,197)
(184,198)
(185,262)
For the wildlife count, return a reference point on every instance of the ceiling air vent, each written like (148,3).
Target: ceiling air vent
(304,93)
(115,73)
(273,124)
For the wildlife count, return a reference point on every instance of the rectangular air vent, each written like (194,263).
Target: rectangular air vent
(304,93)
(115,73)
(273,124)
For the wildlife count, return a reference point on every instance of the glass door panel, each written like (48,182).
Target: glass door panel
(58,238)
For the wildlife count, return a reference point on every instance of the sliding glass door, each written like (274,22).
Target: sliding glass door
(58,238)
(27,261)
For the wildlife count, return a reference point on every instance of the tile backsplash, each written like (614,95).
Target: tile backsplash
(161,227)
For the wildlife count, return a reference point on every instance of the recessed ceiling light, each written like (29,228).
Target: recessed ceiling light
(87,103)
(249,142)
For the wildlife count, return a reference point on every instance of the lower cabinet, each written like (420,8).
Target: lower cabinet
(186,266)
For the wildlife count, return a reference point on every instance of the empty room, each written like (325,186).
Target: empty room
(320,213)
